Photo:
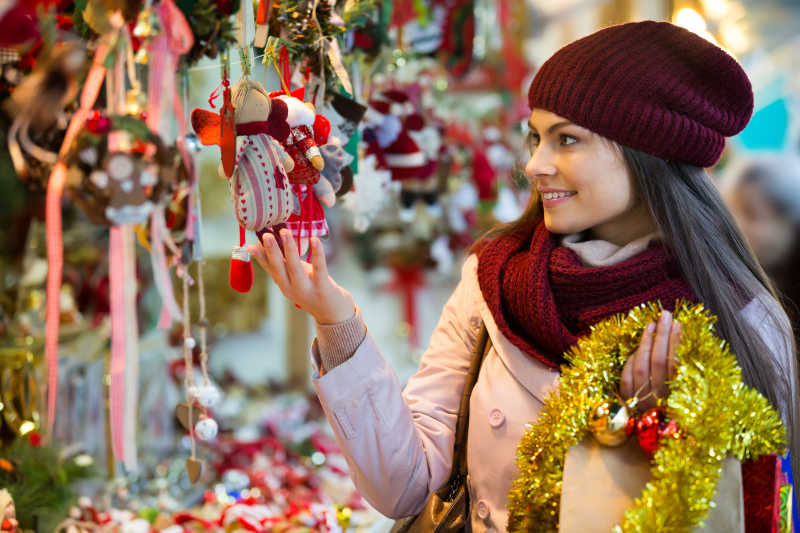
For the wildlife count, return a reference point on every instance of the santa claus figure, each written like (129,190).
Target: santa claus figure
(393,124)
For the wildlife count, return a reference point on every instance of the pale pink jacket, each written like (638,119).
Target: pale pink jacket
(399,443)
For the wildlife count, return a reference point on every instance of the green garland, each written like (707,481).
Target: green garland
(718,415)
(42,482)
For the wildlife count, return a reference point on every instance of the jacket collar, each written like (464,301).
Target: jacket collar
(539,379)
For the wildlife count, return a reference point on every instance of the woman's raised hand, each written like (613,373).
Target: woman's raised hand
(308,285)
(653,363)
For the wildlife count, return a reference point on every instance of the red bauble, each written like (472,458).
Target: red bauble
(649,428)
(98,123)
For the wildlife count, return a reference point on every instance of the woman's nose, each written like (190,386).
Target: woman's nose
(540,164)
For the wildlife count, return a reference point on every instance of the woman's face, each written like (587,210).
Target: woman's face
(583,181)
(769,232)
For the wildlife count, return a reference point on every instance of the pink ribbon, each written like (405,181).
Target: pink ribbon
(165,51)
(55,244)
(117,297)
(158,259)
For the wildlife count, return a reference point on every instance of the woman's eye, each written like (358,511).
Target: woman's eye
(566,140)
(533,142)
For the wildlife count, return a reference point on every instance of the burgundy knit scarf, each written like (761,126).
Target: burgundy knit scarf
(542,298)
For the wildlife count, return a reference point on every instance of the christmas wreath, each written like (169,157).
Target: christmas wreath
(718,415)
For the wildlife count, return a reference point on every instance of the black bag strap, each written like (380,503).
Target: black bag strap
(459,469)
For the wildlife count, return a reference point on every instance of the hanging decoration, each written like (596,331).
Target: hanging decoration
(212,27)
(258,184)
(193,413)
(459,34)
(390,133)
(686,461)
(119,185)
(42,106)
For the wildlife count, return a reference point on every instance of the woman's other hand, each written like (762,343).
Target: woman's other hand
(647,371)
(308,285)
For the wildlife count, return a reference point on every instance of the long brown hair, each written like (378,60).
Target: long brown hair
(716,261)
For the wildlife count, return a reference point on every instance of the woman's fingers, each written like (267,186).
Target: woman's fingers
(659,356)
(294,268)
(641,363)
(320,270)
(269,256)
(674,341)
(653,364)
(626,384)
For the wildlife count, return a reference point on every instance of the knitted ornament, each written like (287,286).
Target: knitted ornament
(258,183)
(652,86)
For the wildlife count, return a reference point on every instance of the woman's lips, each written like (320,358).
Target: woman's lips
(552,198)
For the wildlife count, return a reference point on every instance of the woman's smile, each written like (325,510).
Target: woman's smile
(551,197)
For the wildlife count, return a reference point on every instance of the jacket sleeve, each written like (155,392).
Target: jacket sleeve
(399,445)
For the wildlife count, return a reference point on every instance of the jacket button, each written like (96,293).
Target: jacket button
(483,510)
(496,418)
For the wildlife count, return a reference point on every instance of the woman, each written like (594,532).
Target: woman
(622,124)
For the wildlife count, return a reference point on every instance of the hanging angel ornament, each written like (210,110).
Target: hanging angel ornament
(256,170)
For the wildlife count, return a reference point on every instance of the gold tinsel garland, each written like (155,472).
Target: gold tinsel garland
(718,415)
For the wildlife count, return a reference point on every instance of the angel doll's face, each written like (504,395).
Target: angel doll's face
(583,182)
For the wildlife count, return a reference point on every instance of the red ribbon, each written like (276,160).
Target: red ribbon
(213,96)
(407,280)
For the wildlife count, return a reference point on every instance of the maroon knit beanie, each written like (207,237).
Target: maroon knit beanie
(651,86)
